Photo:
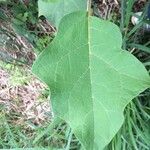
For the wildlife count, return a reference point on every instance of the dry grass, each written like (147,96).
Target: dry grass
(23,95)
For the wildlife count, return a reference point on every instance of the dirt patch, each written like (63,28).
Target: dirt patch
(26,99)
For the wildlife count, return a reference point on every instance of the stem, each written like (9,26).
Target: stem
(89,6)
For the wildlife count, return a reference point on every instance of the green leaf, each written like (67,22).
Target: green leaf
(55,10)
(91,78)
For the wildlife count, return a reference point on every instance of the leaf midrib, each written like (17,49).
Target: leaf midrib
(89,52)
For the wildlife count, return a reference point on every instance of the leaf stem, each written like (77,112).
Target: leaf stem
(89,7)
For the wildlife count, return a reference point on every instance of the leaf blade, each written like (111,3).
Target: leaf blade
(87,73)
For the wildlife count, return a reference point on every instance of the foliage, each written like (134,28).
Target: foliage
(81,69)
(25,21)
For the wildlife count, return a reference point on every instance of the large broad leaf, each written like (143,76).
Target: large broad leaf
(55,10)
(91,78)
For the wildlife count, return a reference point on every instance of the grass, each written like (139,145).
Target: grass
(56,134)
(133,135)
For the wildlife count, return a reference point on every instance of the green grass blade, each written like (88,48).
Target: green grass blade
(140,47)
(128,11)
(49,130)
